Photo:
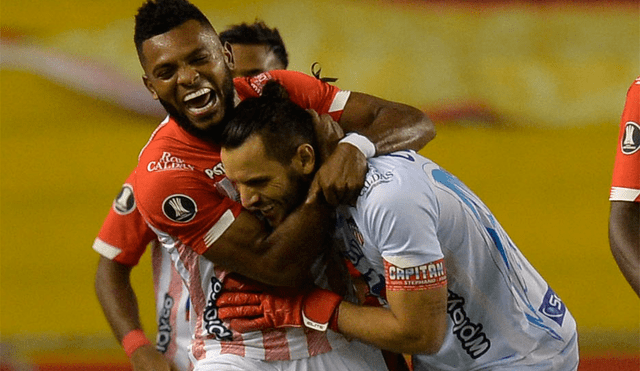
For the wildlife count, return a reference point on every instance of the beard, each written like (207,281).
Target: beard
(299,190)
(214,132)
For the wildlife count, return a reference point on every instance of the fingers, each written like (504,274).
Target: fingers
(230,313)
(235,282)
(228,299)
(248,325)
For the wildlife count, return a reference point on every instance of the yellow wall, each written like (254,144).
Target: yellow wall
(561,71)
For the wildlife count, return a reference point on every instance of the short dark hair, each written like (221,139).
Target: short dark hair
(257,33)
(282,124)
(156,17)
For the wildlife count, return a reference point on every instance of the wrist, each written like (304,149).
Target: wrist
(320,310)
(361,142)
(134,340)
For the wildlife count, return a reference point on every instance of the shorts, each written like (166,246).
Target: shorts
(355,356)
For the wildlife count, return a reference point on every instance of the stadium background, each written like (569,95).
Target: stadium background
(526,97)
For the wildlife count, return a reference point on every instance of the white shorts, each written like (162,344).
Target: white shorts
(353,357)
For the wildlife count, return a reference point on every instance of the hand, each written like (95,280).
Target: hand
(328,133)
(316,309)
(147,358)
(341,176)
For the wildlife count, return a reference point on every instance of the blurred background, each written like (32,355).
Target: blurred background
(526,97)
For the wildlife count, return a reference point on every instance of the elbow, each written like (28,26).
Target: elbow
(429,130)
(425,343)
(425,339)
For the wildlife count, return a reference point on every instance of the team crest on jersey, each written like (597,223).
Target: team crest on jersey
(179,208)
(124,202)
(553,307)
(630,138)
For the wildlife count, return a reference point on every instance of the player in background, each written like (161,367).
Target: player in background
(121,243)
(624,218)
(420,129)
(459,294)
(256,48)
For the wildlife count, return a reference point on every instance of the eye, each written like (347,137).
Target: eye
(257,183)
(201,59)
(164,73)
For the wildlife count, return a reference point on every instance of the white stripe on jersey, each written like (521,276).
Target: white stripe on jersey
(339,101)
(218,229)
(105,249)
(623,194)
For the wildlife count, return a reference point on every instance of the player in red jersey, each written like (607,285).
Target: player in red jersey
(123,238)
(624,219)
(361,112)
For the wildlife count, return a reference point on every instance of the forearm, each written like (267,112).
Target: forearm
(389,125)
(290,250)
(398,127)
(624,240)
(381,328)
(116,297)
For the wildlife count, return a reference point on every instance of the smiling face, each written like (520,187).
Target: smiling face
(188,70)
(265,184)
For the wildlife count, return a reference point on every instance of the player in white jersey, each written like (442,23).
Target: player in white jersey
(458,293)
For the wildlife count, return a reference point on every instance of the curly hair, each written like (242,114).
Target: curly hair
(257,33)
(156,17)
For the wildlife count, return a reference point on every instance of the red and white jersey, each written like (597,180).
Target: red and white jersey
(124,237)
(172,309)
(183,193)
(626,170)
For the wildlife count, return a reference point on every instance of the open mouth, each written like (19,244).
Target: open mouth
(200,102)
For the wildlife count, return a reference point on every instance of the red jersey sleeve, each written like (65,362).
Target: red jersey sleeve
(625,185)
(306,91)
(180,191)
(124,235)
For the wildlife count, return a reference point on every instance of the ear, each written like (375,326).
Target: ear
(305,159)
(227,49)
(149,86)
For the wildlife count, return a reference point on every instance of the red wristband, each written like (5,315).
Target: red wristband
(134,340)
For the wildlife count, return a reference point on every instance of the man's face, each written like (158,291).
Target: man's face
(251,60)
(265,184)
(187,69)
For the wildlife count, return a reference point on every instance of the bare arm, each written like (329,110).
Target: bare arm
(389,125)
(414,323)
(120,307)
(281,257)
(624,240)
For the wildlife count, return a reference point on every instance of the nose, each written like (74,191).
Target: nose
(188,75)
(250,199)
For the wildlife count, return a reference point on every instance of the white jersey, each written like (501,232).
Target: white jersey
(172,309)
(501,312)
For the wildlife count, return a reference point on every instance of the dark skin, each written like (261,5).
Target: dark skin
(624,240)
(190,58)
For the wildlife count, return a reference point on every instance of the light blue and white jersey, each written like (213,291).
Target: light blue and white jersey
(501,312)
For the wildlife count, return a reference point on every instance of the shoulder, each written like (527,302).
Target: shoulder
(395,182)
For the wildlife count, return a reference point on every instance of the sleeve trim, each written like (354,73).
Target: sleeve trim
(106,250)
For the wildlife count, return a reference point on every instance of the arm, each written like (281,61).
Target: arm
(389,125)
(279,257)
(415,321)
(624,240)
(120,307)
